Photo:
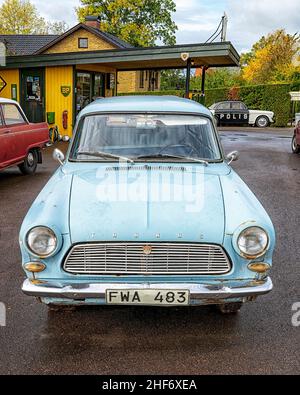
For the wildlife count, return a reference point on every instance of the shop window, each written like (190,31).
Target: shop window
(83,43)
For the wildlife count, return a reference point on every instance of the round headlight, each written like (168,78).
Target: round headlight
(42,241)
(253,242)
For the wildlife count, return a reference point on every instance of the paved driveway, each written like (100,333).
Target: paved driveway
(151,340)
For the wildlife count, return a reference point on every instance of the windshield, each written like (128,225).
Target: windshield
(142,136)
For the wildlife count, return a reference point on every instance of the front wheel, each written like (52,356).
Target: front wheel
(230,308)
(262,122)
(28,167)
(295,146)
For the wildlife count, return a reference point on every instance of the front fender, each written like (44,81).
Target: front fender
(244,210)
(51,207)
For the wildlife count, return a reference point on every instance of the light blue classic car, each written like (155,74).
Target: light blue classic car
(146,210)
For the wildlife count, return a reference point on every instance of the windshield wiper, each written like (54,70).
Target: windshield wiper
(100,154)
(173,156)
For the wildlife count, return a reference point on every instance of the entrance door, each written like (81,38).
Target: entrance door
(89,87)
(33,94)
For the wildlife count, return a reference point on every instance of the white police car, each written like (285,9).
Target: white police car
(235,112)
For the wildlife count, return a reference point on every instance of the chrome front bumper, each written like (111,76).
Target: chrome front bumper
(199,293)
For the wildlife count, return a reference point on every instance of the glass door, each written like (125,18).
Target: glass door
(99,86)
(83,90)
(89,87)
(33,94)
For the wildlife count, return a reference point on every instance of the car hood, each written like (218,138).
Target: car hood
(161,203)
(260,112)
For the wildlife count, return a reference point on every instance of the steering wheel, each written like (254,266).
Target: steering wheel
(192,149)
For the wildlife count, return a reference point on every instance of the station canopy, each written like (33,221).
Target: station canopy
(221,54)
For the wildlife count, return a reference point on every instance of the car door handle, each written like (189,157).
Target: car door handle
(7,131)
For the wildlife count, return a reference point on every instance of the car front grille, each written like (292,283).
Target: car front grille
(147,258)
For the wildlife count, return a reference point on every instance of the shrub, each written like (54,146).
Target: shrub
(273,97)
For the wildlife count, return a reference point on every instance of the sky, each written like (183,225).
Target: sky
(198,19)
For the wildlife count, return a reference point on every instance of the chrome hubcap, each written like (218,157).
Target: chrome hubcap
(30,159)
(294,144)
(262,122)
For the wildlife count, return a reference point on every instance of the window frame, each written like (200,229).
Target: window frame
(79,42)
(81,120)
(221,104)
(241,104)
(2,123)
(25,122)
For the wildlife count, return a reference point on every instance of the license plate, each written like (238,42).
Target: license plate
(150,297)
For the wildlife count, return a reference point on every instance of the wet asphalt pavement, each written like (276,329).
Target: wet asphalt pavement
(113,340)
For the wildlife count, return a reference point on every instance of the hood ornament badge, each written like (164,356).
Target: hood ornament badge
(147,250)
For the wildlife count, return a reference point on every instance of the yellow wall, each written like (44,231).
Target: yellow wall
(129,82)
(10,77)
(70,43)
(56,77)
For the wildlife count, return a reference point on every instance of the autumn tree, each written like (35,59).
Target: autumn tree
(21,17)
(139,22)
(272,59)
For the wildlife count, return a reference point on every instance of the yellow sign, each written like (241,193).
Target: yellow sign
(2,84)
(65,90)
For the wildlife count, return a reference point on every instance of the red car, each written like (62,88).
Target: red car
(21,142)
(296,140)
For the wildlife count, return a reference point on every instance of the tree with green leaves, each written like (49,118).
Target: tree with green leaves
(21,17)
(172,79)
(218,78)
(139,22)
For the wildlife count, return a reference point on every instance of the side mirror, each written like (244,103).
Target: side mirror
(232,157)
(58,156)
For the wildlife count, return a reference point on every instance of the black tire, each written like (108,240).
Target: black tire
(28,167)
(230,308)
(295,146)
(262,121)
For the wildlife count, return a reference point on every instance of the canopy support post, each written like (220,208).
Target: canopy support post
(204,68)
(188,78)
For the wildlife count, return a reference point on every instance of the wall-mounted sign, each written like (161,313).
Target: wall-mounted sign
(65,90)
(185,56)
(2,84)
(14,91)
